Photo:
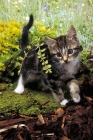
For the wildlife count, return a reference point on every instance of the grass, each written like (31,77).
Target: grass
(60,14)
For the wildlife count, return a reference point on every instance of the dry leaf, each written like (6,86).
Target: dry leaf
(41,119)
(88,98)
(1,138)
(63,121)
(59,112)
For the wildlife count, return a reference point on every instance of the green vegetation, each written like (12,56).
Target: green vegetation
(10,60)
(9,49)
(51,18)
(30,103)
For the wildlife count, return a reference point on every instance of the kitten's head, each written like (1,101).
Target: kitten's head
(64,48)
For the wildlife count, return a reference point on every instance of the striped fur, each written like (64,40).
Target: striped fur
(63,55)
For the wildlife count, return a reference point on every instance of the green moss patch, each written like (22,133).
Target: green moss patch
(29,103)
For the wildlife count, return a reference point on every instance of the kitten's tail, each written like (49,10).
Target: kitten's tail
(25,32)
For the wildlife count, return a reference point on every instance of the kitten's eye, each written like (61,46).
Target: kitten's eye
(59,54)
(70,51)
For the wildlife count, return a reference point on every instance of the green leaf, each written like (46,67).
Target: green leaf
(46,62)
(39,53)
(49,66)
(43,50)
(11,74)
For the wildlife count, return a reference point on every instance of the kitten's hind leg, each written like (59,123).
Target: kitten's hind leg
(45,83)
(20,86)
(43,86)
(58,95)
(74,90)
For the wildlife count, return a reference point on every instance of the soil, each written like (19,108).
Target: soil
(74,122)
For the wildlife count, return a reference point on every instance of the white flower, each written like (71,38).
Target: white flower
(27,18)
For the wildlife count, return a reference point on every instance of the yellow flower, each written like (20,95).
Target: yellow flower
(39,23)
(1,23)
(42,29)
(1,29)
(1,47)
(48,31)
(14,23)
(15,46)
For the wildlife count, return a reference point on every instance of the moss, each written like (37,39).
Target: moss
(29,103)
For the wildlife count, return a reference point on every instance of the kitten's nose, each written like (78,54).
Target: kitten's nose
(65,58)
(65,61)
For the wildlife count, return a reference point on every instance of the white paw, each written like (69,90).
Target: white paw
(20,87)
(19,90)
(76,100)
(64,102)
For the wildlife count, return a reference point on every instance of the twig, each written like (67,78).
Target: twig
(13,126)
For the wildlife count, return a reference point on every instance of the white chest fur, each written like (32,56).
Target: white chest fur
(72,67)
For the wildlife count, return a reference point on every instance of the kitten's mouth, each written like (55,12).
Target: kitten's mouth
(65,61)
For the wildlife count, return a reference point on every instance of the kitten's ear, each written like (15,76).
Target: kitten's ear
(49,41)
(72,34)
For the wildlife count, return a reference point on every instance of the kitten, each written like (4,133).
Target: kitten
(63,55)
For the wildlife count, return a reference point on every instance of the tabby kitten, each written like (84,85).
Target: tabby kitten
(63,55)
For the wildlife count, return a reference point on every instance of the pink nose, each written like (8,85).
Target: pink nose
(65,58)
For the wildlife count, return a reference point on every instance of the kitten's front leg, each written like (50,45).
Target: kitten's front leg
(74,90)
(58,93)
(20,86)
